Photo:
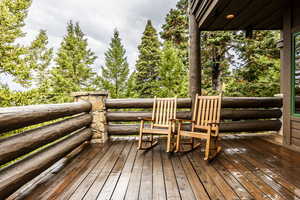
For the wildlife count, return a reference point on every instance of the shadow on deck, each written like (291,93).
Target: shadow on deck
(246,169)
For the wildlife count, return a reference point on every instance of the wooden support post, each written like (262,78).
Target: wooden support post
(97,99)
(194,57)
(285,72)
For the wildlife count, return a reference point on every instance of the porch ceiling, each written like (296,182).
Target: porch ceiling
(249,14)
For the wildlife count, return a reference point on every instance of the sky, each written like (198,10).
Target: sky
(97,19)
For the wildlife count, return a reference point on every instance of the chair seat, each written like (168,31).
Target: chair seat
(156,130)
(194,134)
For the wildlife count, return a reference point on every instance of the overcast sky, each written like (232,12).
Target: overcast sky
(97,18)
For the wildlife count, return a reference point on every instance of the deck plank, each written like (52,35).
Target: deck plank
(266,172)
(184,186)
(219,181)
(251,176)
(172,190)
(239,189)
(252,189)
(197,186)
(146,180)
(133,189)
(271,160)
(206,179)
(102,173)
(121,187)
(114,175)
(244,170)
(159,189)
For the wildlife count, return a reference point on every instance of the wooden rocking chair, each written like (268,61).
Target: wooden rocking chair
(164,110)
(205,125)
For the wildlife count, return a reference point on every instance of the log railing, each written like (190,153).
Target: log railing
(62,137)
(240,114)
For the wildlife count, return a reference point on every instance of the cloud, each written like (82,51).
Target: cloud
(97,18)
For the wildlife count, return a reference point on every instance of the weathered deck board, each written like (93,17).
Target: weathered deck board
(246,169)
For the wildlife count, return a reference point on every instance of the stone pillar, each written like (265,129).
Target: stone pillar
(99,124)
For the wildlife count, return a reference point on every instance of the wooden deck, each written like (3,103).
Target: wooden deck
(246,169)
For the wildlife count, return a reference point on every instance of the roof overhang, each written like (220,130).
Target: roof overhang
(248,14)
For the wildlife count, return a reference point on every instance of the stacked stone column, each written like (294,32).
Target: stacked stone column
(99,124)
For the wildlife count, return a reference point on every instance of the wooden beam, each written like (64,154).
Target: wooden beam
(227,102)
(16,175)
(20,144)
(18,117)
(141,103)
(194,56)
(241,126)
(233,114)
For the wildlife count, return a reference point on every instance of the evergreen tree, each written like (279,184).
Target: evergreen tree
(172,73)
(176,28)
(215,58)
(257,72)
(148,63)
(12,16)
(72,71)
(131,83)
(114,73)
(40,58)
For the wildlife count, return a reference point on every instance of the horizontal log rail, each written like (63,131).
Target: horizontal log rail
(13,118)
(227,102)
(239,126)
(16,175)
(241,114)
(20,144)
(234,114)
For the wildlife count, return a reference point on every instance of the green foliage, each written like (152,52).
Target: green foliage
(12,16)
(258,71)
(40,58)
(114,74)
(175,29)
(215,59)
(172,73)
(72,71)
(148,63)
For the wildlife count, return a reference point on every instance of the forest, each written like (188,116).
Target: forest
(233,62)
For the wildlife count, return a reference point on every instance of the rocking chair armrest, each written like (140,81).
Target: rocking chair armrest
(183,120)
(145,119)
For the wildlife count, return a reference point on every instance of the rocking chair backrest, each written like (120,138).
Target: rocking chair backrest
(163,110)
(207,109)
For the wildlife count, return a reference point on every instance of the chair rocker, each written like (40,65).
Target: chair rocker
(164,110)
(204,125)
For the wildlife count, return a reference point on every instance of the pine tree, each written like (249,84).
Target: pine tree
(257,72)
(131,83)
(148,63)
(40,57)
(172,73)
(176,27)
(12,16)
(72,71)
(215,58)
(114,73)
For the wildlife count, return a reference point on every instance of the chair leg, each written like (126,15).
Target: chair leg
(151,139)
(140,140)
(169,143)
(207,147)
(192,142)
(177,143)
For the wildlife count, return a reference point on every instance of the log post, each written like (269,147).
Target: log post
(97,99)
(194,56)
